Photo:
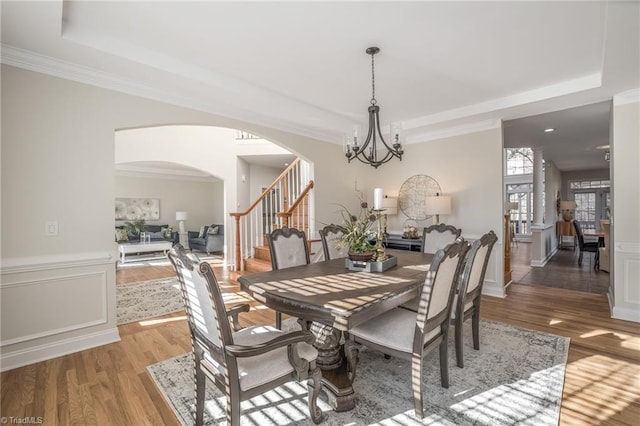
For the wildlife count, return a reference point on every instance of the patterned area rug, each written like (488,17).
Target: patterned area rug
(516,378)
(147,299)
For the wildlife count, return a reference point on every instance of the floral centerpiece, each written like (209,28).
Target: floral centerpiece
(359,232)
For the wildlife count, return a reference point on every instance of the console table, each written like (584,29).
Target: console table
(394,241)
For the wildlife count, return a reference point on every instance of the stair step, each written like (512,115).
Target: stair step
(262,252)
(256,265)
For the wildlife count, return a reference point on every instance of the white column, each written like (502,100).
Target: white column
(538,187)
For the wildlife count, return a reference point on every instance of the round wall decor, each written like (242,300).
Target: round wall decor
(413,196)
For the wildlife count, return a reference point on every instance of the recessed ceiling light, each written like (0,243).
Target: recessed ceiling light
(549,130)
(286,164)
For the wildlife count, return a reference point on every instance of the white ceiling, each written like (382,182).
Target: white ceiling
(301,67)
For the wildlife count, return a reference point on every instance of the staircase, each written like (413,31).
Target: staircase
(260,262)
(284,203)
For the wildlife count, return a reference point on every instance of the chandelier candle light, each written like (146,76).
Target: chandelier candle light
(367,152)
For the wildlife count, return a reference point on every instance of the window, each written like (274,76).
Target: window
(519,187)
(593,199)
(519,161)
(521,218)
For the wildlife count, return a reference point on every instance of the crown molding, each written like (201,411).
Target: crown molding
(527,97)
(44,64)
(164,173)
(477,126)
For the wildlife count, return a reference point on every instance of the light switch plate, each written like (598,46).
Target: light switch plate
(51,228)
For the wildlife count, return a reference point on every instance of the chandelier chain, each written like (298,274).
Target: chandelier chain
(373,81)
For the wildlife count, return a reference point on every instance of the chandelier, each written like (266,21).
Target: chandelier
(367,151)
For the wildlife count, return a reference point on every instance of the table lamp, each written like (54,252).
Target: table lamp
(440,204)
(566,207)
(181,217)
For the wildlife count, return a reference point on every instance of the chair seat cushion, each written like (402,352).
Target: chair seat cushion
(257,370)
(394,329)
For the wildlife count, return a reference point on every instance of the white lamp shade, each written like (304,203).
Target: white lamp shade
(511,206)
(182,215)
(438,205)
(390,205)
(568,205)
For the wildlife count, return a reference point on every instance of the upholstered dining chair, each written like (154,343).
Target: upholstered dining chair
(330,236)
(244,363)
(604,255)
(589,247)
(436,237)
(288,248)
(411,335)
(468,296)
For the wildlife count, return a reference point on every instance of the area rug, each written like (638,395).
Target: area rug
(147,299)
(515,379)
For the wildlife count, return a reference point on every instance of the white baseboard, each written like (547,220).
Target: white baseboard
(15,359)
(542,263)
(494,289)
(626,314)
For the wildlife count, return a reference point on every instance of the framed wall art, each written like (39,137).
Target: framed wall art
(137,208)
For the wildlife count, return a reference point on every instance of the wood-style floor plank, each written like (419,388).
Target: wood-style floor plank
(109,385)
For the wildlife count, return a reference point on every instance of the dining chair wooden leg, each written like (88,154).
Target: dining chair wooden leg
(279,320)
(200,384)
(233,411)
(416,384)
(458,339)
(444,363)
(475,328)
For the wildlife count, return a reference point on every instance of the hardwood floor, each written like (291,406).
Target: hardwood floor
(562,270)
(109,385)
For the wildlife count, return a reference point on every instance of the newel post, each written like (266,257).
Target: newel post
(238,259)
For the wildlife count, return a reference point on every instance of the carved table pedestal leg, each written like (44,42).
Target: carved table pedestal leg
(331,360)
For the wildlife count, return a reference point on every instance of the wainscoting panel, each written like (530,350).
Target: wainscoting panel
(627,281)
(54,308)
(38,306)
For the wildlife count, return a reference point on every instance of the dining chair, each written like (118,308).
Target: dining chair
(244,363)
(330,236)
(589,247)
(468,295)
(436,237)
(604,251)
(288,248)
(411,335)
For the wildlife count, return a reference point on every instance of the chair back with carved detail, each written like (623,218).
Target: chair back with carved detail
(332,248)
(288,247)
(436,237)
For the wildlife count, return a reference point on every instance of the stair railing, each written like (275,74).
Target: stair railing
(264,214)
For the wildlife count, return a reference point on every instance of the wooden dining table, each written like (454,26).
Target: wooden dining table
(330,299)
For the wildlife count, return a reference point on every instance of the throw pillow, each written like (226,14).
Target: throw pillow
(201,233)
(168,232)
(213,230)
(157,235)
(121,235)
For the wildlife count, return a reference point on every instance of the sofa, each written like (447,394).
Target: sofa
(208,239)
(157,233)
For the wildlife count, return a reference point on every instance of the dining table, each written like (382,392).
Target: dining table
(329,299)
